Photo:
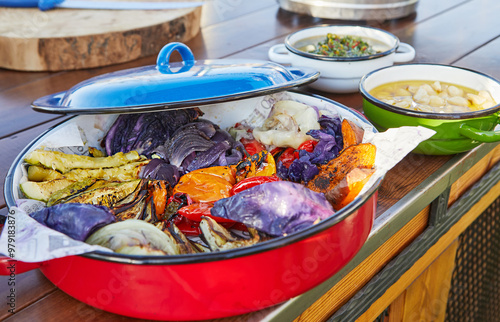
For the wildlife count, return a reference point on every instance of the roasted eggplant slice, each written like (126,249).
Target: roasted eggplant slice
(219,238)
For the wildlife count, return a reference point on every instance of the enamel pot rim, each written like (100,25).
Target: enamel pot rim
(419,114)
(292,49)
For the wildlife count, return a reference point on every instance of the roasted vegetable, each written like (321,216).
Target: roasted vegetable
(146,132)
(107,195)
(329,138)
(351,133)
(285,157)
(207,185)
(287,125)
(132,210)
(202,144)
(124,173)
(77,221)
(302,169)
(276,208)
(260,164)
(251,182)
(219,238)
(348,188)
(326,146)
(43,190)
(160,196)
(69,191)
(331,174)
(252,146)
(147,202)
(64,162)
(39,173)
(137,237)
(159,169)
(96,153)
(196,211)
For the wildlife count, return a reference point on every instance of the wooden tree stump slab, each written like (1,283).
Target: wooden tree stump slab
(67,39)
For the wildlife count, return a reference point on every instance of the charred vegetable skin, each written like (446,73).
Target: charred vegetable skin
(259,164)
(77,221)
(331,179)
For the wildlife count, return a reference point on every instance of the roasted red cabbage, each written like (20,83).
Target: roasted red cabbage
(276,208)
(328,147)
(145,132)
(76,220)
(202,144)
(159,169)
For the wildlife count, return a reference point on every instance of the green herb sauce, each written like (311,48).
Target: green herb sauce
(347,46)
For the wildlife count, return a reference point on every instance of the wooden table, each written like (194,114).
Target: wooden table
(413,200)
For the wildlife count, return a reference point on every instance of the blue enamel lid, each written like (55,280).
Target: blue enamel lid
(174,85)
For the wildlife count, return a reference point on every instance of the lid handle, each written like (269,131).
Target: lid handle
(163,60)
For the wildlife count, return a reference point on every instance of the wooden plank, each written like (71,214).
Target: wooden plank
(470,177)
(213,12)
(396,309)
(422,263)
(70,309)
(446,38)
(217,11)
(483,60)
(404,175)
(427,297)
(10,79)
(495,157)
(341,292)
(29,288)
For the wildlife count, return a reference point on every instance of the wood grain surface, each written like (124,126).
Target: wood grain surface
(440,31)
(434,252)
(67,39)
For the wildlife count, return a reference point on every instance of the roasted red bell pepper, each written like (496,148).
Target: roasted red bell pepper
(307,146)
(287,157)
(251,182)
(194,212)
(188,227)
(252,146)
(189,217)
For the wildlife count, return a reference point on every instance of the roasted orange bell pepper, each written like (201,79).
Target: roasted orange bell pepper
(260,164)
(207,184)
(160,195)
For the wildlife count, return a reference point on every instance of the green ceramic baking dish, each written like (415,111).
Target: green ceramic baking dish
(455,132)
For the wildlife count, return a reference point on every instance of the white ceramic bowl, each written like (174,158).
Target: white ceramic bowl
(341,74)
